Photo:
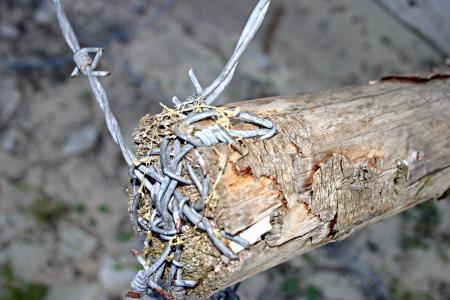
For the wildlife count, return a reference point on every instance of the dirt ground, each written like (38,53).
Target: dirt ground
(64,227)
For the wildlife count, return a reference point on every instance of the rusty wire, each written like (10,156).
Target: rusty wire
(169,207)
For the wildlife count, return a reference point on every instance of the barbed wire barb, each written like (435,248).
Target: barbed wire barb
(168,206)
(85,64)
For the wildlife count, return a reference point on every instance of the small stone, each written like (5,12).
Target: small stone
(75,291)
(27,260)
(80,141)
(75,243)
(11,167)
(9,140)
(114,276)
(9,100)
(9,31)
(44,14)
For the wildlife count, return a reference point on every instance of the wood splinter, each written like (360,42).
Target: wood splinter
(341,160)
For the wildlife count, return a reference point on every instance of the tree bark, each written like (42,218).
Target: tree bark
(341,160)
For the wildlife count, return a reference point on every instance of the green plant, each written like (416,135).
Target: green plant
(103,208)
(80,208)
(16,289)
(45,209)
(398,291)
(312,293)
(290,285)
(421,225)
(124,236)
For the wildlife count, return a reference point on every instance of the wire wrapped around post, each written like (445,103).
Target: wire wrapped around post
(161,173)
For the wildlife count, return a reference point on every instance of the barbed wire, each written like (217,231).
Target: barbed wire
(122,31)
(168,207)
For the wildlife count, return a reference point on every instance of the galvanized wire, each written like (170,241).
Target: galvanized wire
(168,207)
(214,89)
(121,31)
(86,65)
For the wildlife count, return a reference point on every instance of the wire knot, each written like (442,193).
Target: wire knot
(85,63)
(82,60)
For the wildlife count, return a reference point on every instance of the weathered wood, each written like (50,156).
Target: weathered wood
(342,160)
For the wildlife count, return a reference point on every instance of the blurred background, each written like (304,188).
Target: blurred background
(64,226)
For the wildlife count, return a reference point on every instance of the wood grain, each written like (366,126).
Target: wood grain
(341,160)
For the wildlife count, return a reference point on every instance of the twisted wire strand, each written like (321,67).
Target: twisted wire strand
(247,34)
(168,207)
(83,62)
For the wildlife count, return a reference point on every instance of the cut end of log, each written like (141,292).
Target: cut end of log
(341,160)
